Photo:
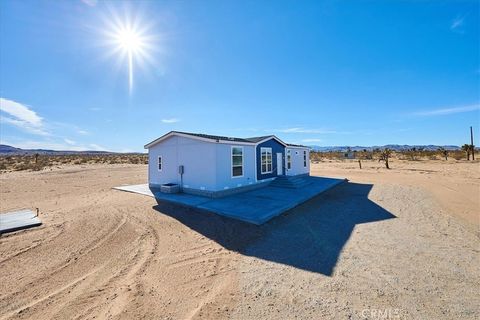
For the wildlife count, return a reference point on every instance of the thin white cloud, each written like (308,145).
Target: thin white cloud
(95,109)
(312,140)
(91,3)
(68,141)
(447,111)
(20,111)
(65,127)
(97,147)
(25,126)
(21,116)
(171,120)
(457,24)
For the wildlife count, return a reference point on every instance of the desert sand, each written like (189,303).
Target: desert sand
(400,243)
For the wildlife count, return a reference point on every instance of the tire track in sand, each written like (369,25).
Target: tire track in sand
(50,278)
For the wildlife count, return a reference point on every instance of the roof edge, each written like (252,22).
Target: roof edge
(272,137)
(220,140)
(195,137)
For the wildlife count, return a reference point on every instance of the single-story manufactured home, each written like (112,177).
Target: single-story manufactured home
(216,166)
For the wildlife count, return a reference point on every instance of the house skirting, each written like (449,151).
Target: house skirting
(219,193)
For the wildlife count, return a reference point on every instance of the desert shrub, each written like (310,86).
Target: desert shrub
(364,155)
(21,166)
(29,162)
(458,156)
(37,166)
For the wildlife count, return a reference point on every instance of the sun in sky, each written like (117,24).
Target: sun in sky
(131,40)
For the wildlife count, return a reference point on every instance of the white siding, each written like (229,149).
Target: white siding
(297,161)
(224,167)
(207,165)
(197,157)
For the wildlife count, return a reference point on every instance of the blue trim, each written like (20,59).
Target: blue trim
(276,148)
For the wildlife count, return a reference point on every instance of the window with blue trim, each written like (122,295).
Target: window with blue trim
(266,157)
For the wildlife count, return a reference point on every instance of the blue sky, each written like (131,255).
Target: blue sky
(317,73)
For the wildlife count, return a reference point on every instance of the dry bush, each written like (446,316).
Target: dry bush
(407,155)
(458,155)
(27,162)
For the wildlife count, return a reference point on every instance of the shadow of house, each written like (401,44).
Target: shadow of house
(309,237)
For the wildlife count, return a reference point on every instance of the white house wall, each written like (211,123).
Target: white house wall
(207,165)
(197,157)
(297,161)
(224,167)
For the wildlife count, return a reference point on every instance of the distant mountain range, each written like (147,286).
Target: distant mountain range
(9,150)
(395,147)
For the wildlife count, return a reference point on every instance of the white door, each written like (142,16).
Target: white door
(279,164)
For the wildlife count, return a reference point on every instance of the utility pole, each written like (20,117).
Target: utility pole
(471,143)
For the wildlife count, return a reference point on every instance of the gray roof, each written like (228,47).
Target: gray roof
(297,145)
(257,139)
(223,138)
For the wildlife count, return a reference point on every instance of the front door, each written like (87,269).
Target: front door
(279,164)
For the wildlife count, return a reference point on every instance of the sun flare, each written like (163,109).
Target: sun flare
(131,41)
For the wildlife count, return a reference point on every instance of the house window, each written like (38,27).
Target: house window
(289,159)
(266,154)
(159,163)
(237,161)
(304,158)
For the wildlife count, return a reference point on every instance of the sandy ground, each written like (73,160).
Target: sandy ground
(456,185)
(398,244)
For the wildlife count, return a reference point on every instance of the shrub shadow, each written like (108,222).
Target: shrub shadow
(309,237)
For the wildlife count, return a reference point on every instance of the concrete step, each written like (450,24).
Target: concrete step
(290,178)
(292,182)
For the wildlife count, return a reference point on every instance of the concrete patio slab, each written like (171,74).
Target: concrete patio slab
(18,220)
(136,188)
(256,206)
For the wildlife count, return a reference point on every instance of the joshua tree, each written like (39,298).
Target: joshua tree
(466,148)
(36,157)
(444,152)
(385,155)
